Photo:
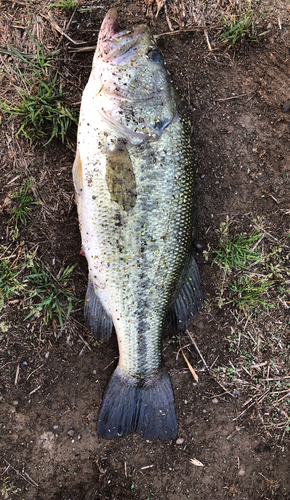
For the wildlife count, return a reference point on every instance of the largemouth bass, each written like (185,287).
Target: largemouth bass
(134,180)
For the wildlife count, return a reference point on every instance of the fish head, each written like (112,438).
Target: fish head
(128,64)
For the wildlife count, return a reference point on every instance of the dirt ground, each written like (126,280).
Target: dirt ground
(53,379)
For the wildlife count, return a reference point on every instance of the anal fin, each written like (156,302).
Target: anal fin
(187,299)
(97,319)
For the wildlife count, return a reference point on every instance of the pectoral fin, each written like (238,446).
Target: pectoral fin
(78,173)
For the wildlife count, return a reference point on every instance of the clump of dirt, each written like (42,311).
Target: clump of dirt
(52,378)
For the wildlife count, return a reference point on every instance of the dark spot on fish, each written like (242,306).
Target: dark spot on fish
(155,56)
(120,177)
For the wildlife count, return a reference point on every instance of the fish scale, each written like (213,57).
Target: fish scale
(134,180)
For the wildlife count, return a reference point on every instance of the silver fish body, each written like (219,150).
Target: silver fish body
(134,180)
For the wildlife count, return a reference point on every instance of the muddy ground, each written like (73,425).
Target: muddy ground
(53,379)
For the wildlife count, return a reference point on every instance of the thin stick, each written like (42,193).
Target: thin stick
(283,397)
(17,374)
(194,343)
(110,363)
(83,49)
(34,390)
(18,473)
(255,402)
(38,368)
(167,18)
(58,28)
(177,32)
(207,40)
(83,340)
(211,366)
(233,97)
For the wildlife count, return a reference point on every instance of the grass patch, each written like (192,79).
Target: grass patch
(24,206)
(9,283)
(235,252)
(42,109)
(237,28)
(54,294)
(255,279)
(64,4)
(249,293)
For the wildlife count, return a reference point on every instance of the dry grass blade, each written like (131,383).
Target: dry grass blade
(195,376)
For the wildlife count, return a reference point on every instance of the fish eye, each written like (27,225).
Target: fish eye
(155,56)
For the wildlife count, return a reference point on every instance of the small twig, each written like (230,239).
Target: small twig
(17,374)
(272,379)
(83,340)
(285,396)
(30,479)
(83,49)
(125,467)
(274,198)
(233,97)
(34,390)
(111,363)
(167,18)
(146,467)
(211,366)
(38,368)
(226,391)
(33,483)
(188,30)
(194,343)
(255,402)
(58,28)
(66,28)
(207,40)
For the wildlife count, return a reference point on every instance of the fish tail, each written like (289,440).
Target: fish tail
(143,405)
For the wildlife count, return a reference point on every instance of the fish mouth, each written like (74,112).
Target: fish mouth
(112,41)
(110,26)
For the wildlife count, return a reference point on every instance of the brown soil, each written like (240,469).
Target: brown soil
(48,417)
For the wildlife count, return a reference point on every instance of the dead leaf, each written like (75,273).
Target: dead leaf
(194,461)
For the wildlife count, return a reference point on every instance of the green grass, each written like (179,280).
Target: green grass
(9,283)
(235,252)
(249,293)
(24,205)
(42,109)
(54,295)
(237,28)
(64,4)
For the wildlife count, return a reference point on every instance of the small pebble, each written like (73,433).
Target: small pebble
(215,400)
(200,246)
(179,441)
(55,427)
(204,411)
(15,403)
(71,433)
(241,472)
(286,108)
(25,363)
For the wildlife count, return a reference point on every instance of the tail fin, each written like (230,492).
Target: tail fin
(144,406)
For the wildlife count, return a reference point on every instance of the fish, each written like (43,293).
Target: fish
(134,181)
